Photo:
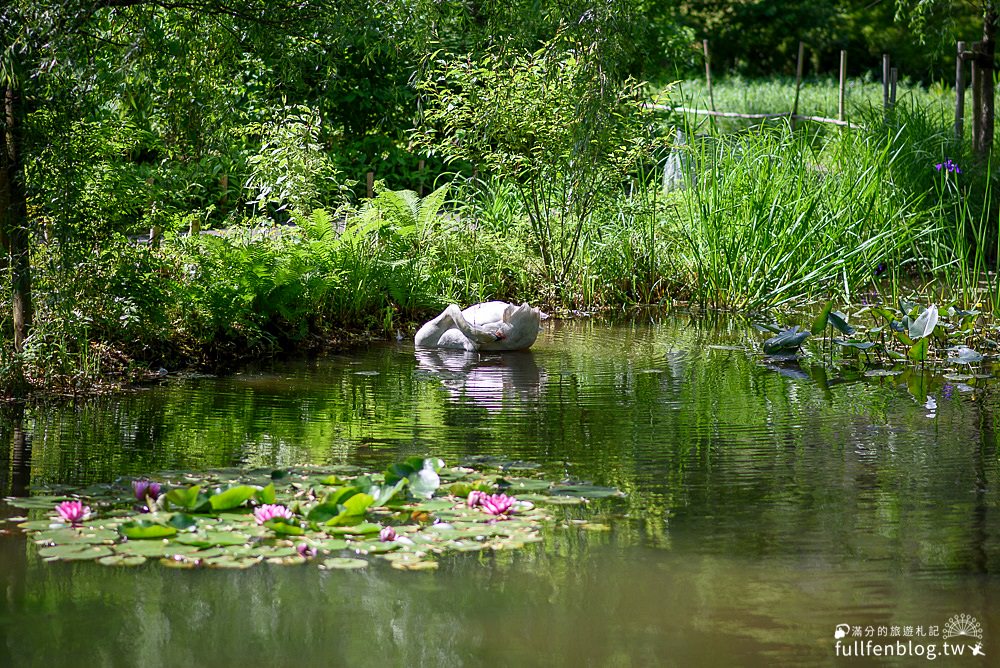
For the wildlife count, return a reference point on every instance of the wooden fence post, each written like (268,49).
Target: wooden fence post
(370,179)
(708,73)
(959,92)
(885,81)
(893,72)
(798,82)
(842,92)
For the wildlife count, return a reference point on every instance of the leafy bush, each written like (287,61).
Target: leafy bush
(551,123)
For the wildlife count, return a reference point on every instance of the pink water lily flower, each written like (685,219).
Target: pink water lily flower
(475,498)
(387,535)
(73,512)
(497,504)
(145,488)
(305,550)
(269,511)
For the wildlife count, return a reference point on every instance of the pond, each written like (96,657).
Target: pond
(763,510)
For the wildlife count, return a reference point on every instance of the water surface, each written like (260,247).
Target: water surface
(765,506)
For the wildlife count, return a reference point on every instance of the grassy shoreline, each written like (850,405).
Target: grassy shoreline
(752,220)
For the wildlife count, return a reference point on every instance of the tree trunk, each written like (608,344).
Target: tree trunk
(983,94)
(14,216)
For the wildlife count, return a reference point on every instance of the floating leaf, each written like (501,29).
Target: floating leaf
(364,528)
(232,497)
(75,552)
(516,485)
(586,491)
(283,527)
(855,345)
(182,521)
(964,355)
(344,563)
(212,538)
(144,529)
(36,502)
(122,560)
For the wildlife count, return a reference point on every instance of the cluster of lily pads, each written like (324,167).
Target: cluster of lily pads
(410,514)
(913,333)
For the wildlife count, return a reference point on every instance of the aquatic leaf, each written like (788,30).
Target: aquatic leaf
(182,521)
(378,547)
(434,505)
(36,502)
(75,552)
(385,494)
(122,560)
(144,529)
(515,485)
(563,500)
(232,497)
(918,352)
(586,491)
(819,324)
(212,538)
(964,355)
(75,536)
(839,322)
(924,325)
(187,498)
(424,482)
(362,529)
(344,563)
(788,341)
(332,545)
(856,345)
(880,373)
(230,562)
(39,525)
(283,527)
(266,494)
(415,565)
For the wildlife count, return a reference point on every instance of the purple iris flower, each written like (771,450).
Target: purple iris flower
(948,166)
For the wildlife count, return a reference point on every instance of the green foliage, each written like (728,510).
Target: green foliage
(291,172)
(551,123)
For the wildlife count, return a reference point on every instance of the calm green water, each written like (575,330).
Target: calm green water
(764,509)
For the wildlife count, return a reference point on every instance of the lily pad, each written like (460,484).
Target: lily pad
(344,563)
(212,539)
(143,530)
(71,536)
(75,552)
(586,491)
(122,560)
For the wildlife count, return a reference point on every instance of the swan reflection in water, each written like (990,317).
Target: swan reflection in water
(490,380)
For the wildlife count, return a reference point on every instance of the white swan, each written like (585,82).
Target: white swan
(487,326)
